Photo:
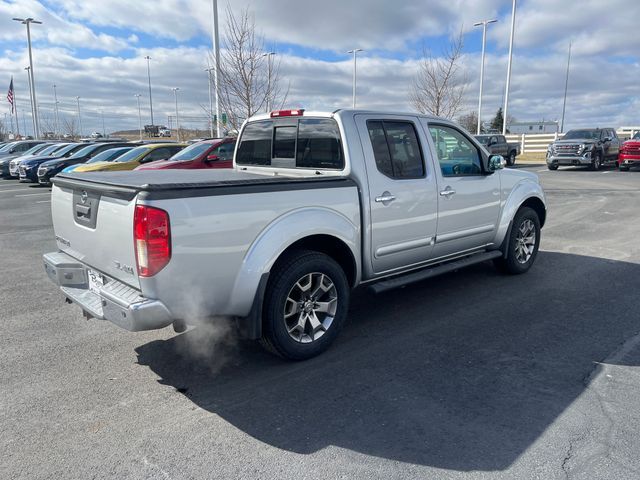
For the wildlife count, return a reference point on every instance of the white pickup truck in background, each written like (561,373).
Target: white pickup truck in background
(317,204)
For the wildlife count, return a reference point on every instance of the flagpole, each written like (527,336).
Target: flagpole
(15,107)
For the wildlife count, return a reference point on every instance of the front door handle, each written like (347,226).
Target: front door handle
(447,192)
(385,198)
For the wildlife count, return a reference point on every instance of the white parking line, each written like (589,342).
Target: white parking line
(32,194)
(43,201)
(540,171)
(604,172)
(15,190)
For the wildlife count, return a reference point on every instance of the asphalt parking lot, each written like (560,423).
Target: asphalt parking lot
(468,375)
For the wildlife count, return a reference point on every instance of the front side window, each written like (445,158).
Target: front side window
(456,154)
(396,149)
(224,151)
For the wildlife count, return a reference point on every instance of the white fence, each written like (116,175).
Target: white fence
(538,143)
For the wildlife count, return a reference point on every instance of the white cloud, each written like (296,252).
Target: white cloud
(56,30)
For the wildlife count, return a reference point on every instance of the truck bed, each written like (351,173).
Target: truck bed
(189,183)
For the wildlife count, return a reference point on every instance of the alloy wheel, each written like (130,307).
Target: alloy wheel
(525,241)
(310,307)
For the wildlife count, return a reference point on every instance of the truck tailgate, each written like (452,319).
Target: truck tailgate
(96,228)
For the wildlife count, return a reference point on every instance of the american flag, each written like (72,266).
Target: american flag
(10,96)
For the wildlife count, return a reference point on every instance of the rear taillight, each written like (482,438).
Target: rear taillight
(152,237)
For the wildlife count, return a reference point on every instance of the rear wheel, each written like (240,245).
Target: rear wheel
(511,158)
(522,244)
(306,304)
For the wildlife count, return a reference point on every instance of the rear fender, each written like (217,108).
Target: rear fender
(277,237)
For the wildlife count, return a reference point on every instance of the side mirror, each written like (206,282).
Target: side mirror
(606,139)
(212,158)
(496,162)
(490,143)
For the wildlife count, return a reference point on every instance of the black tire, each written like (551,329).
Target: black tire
(511,158)
(596,163)
(287,276)
(623,168)
(552,166)
(510,263)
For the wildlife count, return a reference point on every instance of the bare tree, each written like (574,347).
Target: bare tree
(249,80)
(69,127)
(469,121)
(438,87)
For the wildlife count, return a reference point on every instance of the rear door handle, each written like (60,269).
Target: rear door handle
(447,192)
(386,197)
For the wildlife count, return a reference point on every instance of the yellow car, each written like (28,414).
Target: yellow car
(134,157)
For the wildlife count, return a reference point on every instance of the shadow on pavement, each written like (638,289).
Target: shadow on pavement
(461,372)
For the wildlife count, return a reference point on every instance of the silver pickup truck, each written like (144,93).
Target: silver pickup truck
(317,204)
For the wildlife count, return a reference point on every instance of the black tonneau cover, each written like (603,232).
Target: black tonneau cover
(159,184)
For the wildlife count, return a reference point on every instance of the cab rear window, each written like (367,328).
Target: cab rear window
(306,143)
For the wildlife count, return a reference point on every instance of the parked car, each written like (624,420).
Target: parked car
(630,153)
(6,160)
(592,147)
(137,156)
(106,156)
(215,153)
(18,147)
(164,132)
(498,145)
(49,152)
(316,204)
(28,169)
(96,135)
(53,167)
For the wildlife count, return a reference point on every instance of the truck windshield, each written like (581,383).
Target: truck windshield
(312,143)
(578,134)
(636,136)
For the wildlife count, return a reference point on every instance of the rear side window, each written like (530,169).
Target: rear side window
(396,149)
(308,143)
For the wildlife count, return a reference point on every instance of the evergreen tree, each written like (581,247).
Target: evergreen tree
(498,120)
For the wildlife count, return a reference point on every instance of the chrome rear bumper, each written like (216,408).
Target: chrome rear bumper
(116,301)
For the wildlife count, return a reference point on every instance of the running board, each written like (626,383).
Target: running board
(429,272)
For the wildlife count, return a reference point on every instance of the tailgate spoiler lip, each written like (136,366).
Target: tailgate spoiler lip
(125,193)
(183,190)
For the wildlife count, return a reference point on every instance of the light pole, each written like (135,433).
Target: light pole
(211,118)
(56,113)
(137,95)
(28,22)
(79,118)
(484,24)
(566,87)
(269,72)
(33,117)
(215,38)
(355,72)
(104,132)
(506,90)
(175,93)
(148,58)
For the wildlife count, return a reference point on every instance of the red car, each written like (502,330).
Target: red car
(214,153)
(630,153)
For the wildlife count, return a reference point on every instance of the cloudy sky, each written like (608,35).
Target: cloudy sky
(95,50)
